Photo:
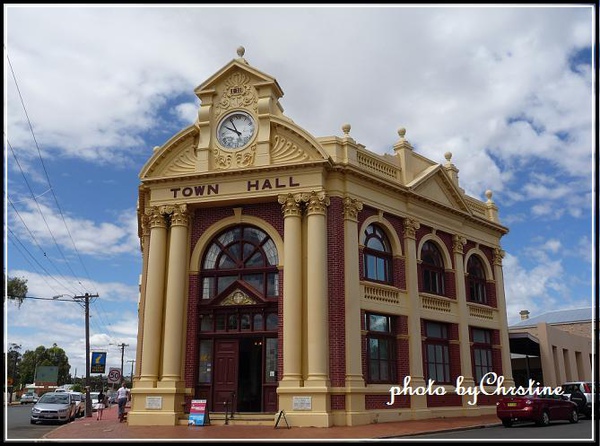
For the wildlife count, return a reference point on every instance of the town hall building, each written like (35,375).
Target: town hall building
(288,272)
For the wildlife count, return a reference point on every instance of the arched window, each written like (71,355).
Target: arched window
(377,255)
(243,253)
(476,280)
(433,268)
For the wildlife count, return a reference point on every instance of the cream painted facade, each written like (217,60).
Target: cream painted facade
(321,323)
(555,353)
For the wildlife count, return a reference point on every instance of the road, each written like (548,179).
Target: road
(557,430)
(18,426)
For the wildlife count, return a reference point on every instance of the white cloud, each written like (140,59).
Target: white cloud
(42,223)
(472,76)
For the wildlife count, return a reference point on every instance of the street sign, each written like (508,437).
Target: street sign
(114,375)
(98,362)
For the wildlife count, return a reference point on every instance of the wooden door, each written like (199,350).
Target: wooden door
(225,374)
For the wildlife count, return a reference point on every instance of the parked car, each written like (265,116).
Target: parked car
(581,393)
(29,397)
(540,409)
(80,403)
(54,406)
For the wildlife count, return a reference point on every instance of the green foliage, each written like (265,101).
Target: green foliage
(41,356)
(16,289)
(13,359)
(77,388)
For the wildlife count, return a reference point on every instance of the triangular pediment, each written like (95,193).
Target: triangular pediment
(435,185)
(236,66)
(239,293)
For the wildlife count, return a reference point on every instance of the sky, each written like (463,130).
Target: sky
(91,90)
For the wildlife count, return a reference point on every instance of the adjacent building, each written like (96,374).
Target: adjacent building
(288,272)
(553,348)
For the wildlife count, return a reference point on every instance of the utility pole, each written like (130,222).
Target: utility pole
(88,401)
(132,361)
(122,345)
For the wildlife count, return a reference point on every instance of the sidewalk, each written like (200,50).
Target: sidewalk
(109,429)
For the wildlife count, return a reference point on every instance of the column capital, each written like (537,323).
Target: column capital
(180,216)
(316,202)
(155,217)
(410,228)
(290,205)
(498,256)
(352,207)
(458,243)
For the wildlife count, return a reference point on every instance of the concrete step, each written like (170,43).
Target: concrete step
(238,419)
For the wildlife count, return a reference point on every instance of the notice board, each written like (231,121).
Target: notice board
(197,413)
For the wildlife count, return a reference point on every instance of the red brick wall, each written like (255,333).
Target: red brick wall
(379,402)
(337,296)
(338,402)
(450,399)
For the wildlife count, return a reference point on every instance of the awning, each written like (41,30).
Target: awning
(524,344)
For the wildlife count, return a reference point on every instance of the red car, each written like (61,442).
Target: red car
(540,409)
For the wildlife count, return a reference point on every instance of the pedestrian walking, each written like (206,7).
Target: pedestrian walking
(122,398)
(102,398)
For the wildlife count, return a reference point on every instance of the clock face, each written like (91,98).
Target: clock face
(235,130)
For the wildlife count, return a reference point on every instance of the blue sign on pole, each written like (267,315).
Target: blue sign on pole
(98,362)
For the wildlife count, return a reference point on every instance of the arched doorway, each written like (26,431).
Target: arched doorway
(239,320)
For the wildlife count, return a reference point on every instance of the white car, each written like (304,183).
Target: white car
(29,397)
(54,406)
(79,399)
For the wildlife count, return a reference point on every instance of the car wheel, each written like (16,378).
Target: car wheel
(544,420)
(574,418)
(32,421)
(507,423)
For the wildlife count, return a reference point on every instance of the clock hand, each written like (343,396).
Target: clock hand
(233,124)
(235,131)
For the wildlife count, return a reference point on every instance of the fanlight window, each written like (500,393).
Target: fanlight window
(243,253)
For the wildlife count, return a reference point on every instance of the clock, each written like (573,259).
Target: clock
(236,130)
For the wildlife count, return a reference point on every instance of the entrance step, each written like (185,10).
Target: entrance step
(239,419)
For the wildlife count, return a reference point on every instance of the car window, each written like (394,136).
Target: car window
(570,388)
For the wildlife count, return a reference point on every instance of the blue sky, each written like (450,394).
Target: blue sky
(90,91)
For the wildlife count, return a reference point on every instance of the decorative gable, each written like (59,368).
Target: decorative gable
(434,185)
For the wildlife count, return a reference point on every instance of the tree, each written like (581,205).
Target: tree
(16,289)
(13,357)
(53,356)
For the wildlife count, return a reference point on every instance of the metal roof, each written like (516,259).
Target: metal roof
(557,317)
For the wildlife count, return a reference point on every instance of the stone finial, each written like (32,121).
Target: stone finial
(346,129)
(402,142)
(491,208)
(241,51)
(448,156)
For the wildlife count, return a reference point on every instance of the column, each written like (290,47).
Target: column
(316,293)
(175,301)
(355,399)
(292,290)
(414,318)
(501,303)
(152,336)
(466,369)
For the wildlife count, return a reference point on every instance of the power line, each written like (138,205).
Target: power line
(47,176)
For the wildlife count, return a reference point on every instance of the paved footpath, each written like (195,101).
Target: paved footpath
(109,429)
